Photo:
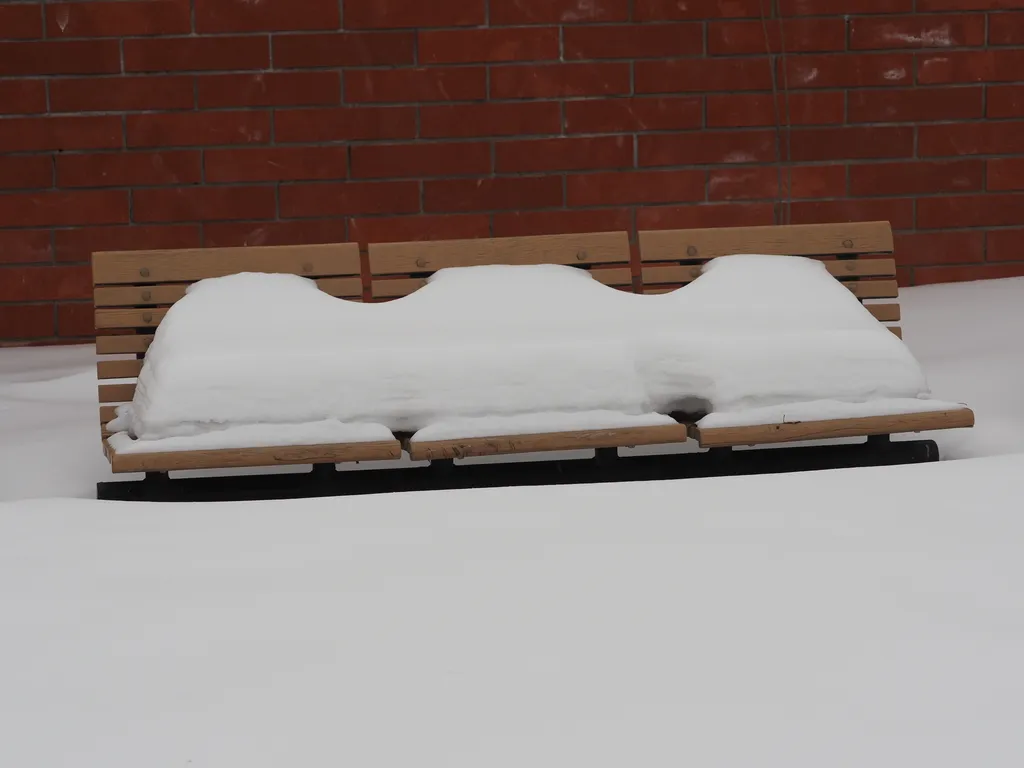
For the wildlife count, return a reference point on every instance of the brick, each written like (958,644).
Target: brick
(398,14)
(916,177)
(344,124)
(492,194)
(955,139)
(858,143)
(396,161)
(1006,29)
(23,246)
(634,41)
(1003,244)
(703,215)
(63,57)
(121,94)
(344,49)
(635,187)
(1005,173)
(822,7)
(75,319)
(847,70)
(269,89)
(766,182)
(564,154)
(193,129)
(265,15)
(490,119)
(25,171)
(814,181)
(129,169)
(47,283)
(990,66)
(702,75)
(467,46)
(20,22)
(669,10)
(276,164)
(26,321)
(312,200)
(247,233)
(915,105)
(27,134)
(915,249)
(917,31)
(970,211)
(897,211)
(633,114)
(196,54)
(63,209)
(1005,101)
(202,204)
(960,274)
(514,12)
(78,245)
(748,110)
(966,5)
(22,97)
(563,221)
(559,80)
(730,38)
(397,229)
(707,147)
(410,85)
(118,19)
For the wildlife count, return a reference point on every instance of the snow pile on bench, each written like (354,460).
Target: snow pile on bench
(498,342)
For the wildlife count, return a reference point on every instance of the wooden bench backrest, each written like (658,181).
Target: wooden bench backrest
(133,290)
(398,269)
(854,254)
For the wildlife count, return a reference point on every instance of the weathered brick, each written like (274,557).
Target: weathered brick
(398,14)
(276,164)
(772,182)
(344,124)
(47,283)
(562,221)
(412,85)
(633,114)
(916,177)
(669,10)
(564,154)
(344,49)
(946,31)
(695,216)
(515,12)
(917,248)
(221,234)
(851,143)
(954,139)
(1003,244)
(990,66)
(847,70)
(730,38)
(396,161)
(468,46)
(1006,28)
(121,94)
(128,169)
(184,204)
(62,57)
(265,15)
(490,119)
(914,105)
(970,211)
(897,211)
(75,319)
(26,321)
(958,274)
(559,80)
(750,74)
(707,147)
(633,41)
(194,129)
(269,89)
(63,209)
(300,201)
(78,245)
(397,229)
(635,187)
(26,171)
(1005,173)
(24,246)
(22,97)
(748,110)
(27,134)
(20,22)
(119,18)
(1004,101)
(195,54)
(492,194)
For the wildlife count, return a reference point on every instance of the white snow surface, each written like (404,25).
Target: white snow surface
(855,618)
(503,341)
(823,410)
(536,423)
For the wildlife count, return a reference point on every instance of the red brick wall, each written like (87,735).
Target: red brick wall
(173,123)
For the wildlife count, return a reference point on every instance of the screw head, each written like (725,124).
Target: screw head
(421,262)
(144,272)
(147,295)
(581,255)
(307,267)
(847,243)
(691,251)
(147,317)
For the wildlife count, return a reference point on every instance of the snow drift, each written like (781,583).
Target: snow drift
(504,341)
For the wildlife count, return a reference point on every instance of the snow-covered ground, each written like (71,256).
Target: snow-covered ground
(867,617)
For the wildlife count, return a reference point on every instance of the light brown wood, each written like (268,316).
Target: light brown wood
(430,256)
(791,240)
(123,344)
(107,413)
(129,318)
(833,428)
(395,287)
(840,268)
(382,450)
(185,265)
(118,369)
(116,393)
(896,330)
(551,441)
(884,313)
(874,289)
(163,293)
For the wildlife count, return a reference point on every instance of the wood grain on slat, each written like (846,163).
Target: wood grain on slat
(168,266)
(552,441)
(116,393)
(834,428)
(142,295)
(430,256)
(129,318)
(123,344)
(840,268)
(107,413)
(792,240)
(255,457)
(402,286)
(897,331)
(118,369)
(874,289)
(884,313)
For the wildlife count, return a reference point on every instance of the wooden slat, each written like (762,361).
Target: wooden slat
(792,240)
(874,289)
(897,331)
(129,318)
(169,266)
(255,457)
(107,413)
(552,441)
(403,286)
(123,344)
(118,369)
(142,295)
(687,273)
(430,256)
(834,428)
(116,393)
(884,313)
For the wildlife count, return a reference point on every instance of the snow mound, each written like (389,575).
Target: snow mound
(509,341)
